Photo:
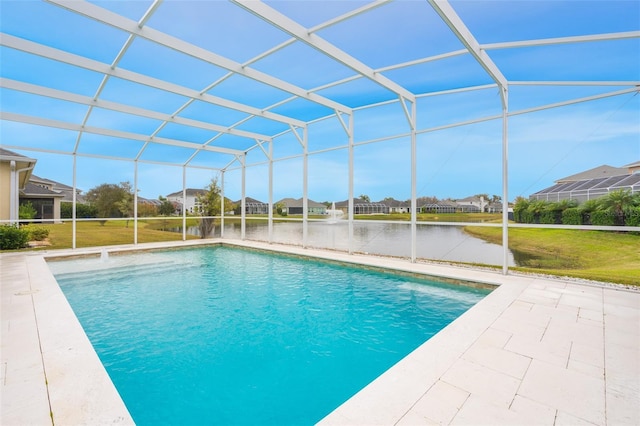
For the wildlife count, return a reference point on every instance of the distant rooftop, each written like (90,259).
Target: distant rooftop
(633,166)
(191,192)
(32,189)
(596,172)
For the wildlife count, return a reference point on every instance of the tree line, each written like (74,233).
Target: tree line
(621,207)
(617,208)
(110,200)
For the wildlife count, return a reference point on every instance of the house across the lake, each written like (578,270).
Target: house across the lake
(190,202)
(592,183)
(292,206)
(252,206)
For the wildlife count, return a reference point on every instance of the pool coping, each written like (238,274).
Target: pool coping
(524,335)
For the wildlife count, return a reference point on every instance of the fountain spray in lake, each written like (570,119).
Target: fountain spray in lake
(334,215)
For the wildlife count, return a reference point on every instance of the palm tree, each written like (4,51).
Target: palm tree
(566,204)
(536,208)
(519,209)
(617,202)
(587,208)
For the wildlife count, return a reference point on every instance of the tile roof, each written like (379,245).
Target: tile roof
(292,202)
(7,153)
(596,172)
(31,189)
(191,192)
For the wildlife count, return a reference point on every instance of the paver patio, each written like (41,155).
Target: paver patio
(535,351)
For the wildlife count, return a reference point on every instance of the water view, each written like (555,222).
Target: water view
(445,243)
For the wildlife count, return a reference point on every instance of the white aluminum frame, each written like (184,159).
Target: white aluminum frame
(298,33)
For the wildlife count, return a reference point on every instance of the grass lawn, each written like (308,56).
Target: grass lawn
(92,234)
(595,255)
(434,217)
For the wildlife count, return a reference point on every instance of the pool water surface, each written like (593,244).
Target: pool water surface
(221,335)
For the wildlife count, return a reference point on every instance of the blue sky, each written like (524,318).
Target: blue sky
(456,162)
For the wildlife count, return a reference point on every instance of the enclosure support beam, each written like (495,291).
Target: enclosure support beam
(270,213)
(457,25)
(305,187)
(505,182)
(259,143)
(221,203)
(127,109)
(414,174)
(39,121)
(73,204)
(342,123)
(407,113)
(563,40)
(350,203)
(243,202)
(297,135)
(14,215)
(284,23)
(120,22)
(184,203)
(135,202)
(99,67)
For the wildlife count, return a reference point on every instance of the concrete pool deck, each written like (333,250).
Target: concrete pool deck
(535,351)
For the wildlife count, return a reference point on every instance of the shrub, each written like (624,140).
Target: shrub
(520,210)
(535,210)
(528,217)
(83,211)
(572,216)
(617,202)
(26,211)
(586,209)
(551,213)
(66,210)
(12,237)
(36,233)
(632,216)
(602,218)
(147,210)
(548,216)
(86,211)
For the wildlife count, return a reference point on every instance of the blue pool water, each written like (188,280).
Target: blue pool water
(221,335)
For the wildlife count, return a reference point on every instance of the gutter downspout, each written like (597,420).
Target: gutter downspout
(14,217)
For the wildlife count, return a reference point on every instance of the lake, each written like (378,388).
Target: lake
(436,242)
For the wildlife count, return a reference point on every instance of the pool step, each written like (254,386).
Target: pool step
(105,270)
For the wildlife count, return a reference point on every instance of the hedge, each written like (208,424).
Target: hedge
(572,216)
(83,211)
(591,212)
(549,217)
(602,218)
(36,233)
(12,237)
(632,216)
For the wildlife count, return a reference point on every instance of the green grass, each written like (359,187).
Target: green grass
(404,217)
(595,255)
(434,217)
(93,234)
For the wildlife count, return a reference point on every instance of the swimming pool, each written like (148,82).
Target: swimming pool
(232,336)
